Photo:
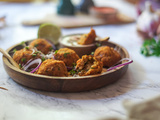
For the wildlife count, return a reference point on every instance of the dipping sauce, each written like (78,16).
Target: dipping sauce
(72,40)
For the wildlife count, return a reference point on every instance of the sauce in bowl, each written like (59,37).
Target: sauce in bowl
(71,41)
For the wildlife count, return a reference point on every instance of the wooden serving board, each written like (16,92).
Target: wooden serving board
(79,20)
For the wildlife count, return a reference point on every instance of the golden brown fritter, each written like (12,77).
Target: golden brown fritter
(53,67)
(68,56)
(88,65)
(88,38)
(42,45)
(22,56)
(107,55)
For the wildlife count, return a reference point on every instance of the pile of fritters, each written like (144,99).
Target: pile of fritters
(65,62)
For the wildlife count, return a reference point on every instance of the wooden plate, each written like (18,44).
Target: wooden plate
(65,84)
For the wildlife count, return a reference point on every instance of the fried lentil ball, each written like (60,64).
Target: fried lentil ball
(68,56)
(88,38)
(53,67)
(42,45)
(107,55)
(88,65)
(22,56)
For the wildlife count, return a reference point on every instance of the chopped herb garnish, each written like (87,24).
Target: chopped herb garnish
(72,72)
(34,55)
(22,43)
(65,54)
(27,47)
(23,59)
(92,53)
(56,52)
(43,59)
(151,47)
(14,50)
(98,44)
(92,68)
(36,52)
(20,65)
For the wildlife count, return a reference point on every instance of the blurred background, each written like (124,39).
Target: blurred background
(22,17)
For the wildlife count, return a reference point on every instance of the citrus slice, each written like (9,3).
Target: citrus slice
(49,32)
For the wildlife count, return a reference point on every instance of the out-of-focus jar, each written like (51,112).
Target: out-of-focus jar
(65,7)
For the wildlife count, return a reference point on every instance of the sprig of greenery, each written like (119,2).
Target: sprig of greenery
(151,47)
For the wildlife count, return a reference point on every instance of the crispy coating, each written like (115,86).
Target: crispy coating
(89,65)
(42,45)
(68,56)
(53,67)
(107,55)
(88,38)
(22,56)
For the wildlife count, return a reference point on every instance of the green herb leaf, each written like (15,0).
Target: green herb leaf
(36,52)
(98,44)
(22,43)
(151,47)
(34,55)
(92,53)
(23,59)
(56,52)
(20,65)
(14,50)
(27,47)
(72,72)
(43,59)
